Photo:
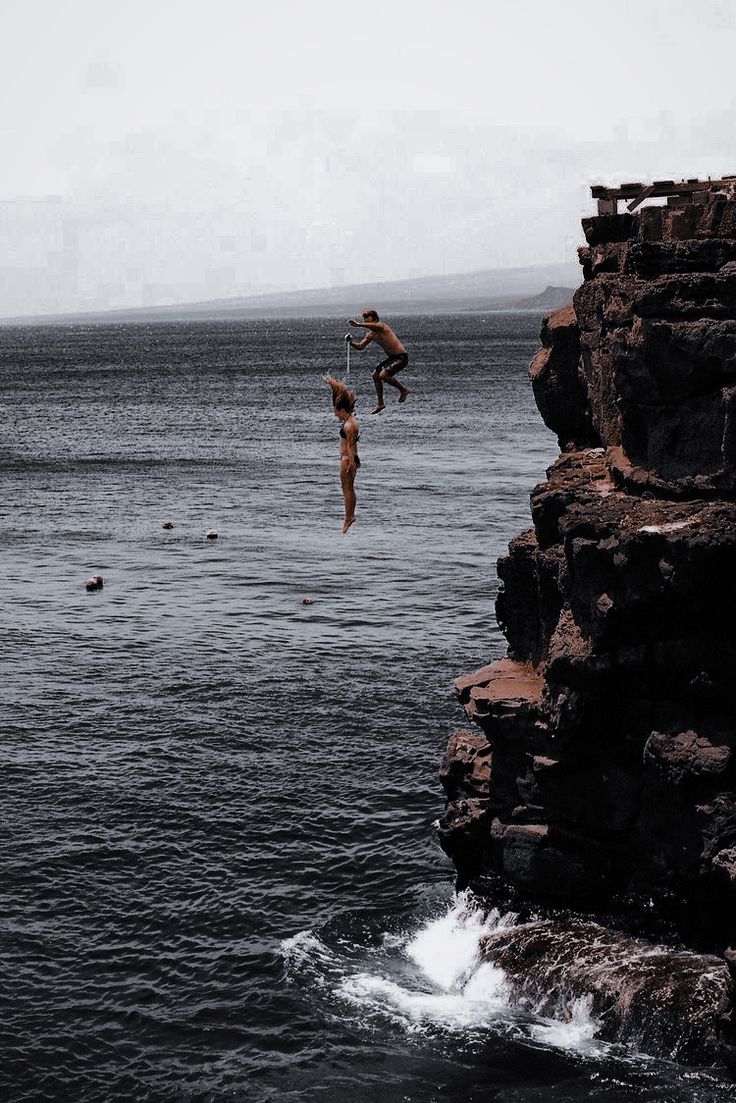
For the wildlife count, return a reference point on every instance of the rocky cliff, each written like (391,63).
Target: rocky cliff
(600,770)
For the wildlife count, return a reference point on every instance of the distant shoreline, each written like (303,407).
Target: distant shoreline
(240,316)
(538,287)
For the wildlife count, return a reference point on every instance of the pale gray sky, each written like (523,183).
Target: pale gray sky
(159,151)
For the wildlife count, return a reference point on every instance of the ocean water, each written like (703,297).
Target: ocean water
(220,871)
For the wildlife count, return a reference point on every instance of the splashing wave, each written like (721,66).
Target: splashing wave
(435,979)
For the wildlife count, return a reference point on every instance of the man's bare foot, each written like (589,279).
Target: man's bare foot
(404,393)
(347,525)
(377,409)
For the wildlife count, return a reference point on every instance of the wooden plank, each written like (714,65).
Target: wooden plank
(658,188)
(625,191)
(645,193)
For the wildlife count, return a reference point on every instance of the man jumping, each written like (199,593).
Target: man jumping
(396,355)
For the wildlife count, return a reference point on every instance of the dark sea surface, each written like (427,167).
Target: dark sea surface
(220,871)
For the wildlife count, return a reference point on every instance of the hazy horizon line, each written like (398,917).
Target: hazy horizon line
(286,292)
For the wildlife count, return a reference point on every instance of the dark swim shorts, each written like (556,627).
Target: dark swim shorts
(395,363)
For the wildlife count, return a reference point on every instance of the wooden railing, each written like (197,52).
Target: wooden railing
(608,198)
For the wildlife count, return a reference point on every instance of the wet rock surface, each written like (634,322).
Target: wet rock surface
(606,735)
(660,1000)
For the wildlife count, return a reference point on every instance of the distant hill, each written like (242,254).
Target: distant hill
(489,289)
(552,298)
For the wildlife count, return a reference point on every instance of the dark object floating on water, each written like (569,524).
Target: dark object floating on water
(167,525)
(94,583)
(212,534)
(308,601)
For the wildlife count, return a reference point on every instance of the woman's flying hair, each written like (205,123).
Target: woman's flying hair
(342,398)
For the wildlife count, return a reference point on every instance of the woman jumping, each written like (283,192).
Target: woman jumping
(343,403)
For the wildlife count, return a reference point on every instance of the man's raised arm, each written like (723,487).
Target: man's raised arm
(368,337)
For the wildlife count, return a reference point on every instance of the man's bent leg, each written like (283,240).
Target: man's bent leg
(377,376)
(388,378)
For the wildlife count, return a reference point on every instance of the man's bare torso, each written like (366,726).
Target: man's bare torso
(384,336)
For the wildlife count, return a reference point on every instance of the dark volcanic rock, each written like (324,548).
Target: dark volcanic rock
(610,228)
(463,828)
(558,388)
(666,1002)
(656,318)
(686,756)
(607,735)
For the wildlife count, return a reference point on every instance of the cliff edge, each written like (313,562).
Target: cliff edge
(600,771)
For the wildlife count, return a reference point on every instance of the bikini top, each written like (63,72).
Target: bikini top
(344,435)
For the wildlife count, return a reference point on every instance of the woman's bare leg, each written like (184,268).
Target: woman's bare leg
(347,480)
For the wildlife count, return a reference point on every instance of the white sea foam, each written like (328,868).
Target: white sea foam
(577,1033)
(298,945)
(447,950)
(304,951)
(482,999)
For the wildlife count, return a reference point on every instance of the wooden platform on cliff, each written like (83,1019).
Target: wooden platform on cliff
(675,190)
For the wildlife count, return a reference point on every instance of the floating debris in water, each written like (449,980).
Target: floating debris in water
(212,534)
